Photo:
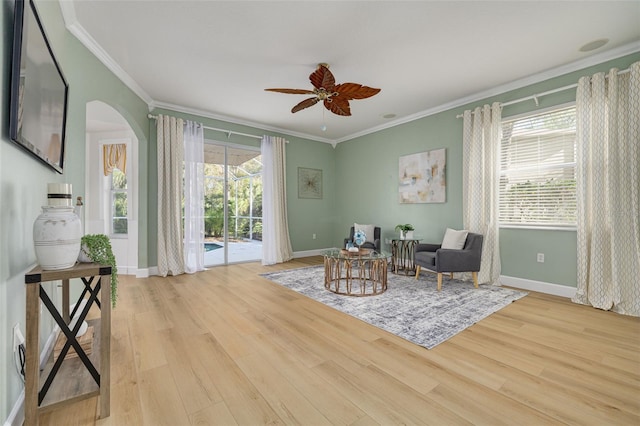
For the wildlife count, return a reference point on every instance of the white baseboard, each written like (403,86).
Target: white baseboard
(539,286)
(145,272)
(153,270)
(307,253)
(16,416)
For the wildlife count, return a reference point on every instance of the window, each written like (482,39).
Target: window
(118,190)
(538,170)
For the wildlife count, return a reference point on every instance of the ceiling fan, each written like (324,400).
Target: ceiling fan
(336,97)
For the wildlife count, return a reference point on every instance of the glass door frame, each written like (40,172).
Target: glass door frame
(226,191)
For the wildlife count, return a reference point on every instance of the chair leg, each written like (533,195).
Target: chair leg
(475,279)
(451,275)
(417,271)
(439,281)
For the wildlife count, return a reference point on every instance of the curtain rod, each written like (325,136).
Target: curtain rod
(548,92)
(228,132)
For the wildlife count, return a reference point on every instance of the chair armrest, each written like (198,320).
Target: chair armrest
(426,247)
(449,260)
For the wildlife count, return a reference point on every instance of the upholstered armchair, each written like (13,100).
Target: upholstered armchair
(443,260)
(371,243)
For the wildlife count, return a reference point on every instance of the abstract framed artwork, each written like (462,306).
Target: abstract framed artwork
(422,177)
(309,183)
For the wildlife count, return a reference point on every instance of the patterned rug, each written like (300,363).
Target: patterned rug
(412,309)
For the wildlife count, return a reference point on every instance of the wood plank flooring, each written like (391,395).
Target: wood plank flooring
(228,347)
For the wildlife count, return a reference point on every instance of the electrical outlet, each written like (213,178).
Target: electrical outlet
(314,236)
(540,257)
(18,338)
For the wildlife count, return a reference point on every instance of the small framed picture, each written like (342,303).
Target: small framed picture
(309,183)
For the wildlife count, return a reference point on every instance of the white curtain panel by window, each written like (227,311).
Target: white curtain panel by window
(276,244)
(170,134)
(193,197)
(480,181)
(608,189)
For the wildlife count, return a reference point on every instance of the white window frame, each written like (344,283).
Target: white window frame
(541,167)
(112,209)
(108,197)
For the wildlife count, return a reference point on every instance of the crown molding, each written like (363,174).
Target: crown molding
(75,28)
(234,120)
(592,60)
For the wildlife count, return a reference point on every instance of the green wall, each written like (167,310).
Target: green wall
(359,180)
(367,169)
(23,179)
(306,216)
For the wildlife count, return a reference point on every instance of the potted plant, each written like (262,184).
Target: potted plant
(97,248)
(406,230)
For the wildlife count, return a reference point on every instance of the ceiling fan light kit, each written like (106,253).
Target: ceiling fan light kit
(335,97)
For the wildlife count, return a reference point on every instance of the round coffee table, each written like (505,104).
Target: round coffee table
(361,273)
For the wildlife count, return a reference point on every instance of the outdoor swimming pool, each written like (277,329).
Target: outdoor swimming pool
(211,246)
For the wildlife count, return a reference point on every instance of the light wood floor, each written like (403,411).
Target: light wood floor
(228,347)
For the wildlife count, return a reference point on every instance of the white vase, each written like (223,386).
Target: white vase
(408,235)
(56,237)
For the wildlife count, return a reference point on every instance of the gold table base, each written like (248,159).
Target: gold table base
(355,275)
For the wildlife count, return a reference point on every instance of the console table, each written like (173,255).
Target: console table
(402,256)
(65,380)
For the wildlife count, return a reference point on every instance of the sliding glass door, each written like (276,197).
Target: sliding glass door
(233,204)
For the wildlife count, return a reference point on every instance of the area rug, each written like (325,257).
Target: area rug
(412,309)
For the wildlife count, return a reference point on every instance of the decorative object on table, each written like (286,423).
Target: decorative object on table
(309,183)
(413,310)
(78,209)
(59,194)
(422,177)
(372,236)
(359,237)
(56,237)
(85,340)
(78,308)
(461,252)
(406,231)
(336,97)
(97,248)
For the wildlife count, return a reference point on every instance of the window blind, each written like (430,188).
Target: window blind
(538,170)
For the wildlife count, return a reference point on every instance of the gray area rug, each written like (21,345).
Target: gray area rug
(412,309)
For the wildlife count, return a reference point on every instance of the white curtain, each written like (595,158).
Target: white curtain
(170,134)
(276,245)
(481,169)
(608,186)
(193,197)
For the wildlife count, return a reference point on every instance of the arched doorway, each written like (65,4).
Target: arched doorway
(111,196)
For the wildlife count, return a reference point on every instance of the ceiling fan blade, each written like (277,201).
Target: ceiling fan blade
(305,104)
(322,78)
(292,91)
(337,105)
(355,91)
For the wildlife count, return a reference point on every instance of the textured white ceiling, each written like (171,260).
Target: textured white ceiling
(216,57)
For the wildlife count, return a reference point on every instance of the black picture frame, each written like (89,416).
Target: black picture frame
(39,91)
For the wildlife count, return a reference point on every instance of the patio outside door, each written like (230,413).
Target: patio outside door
(233,204)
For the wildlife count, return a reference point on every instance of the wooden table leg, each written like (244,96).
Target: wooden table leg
(105,349)
(32,362)
(65,301)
